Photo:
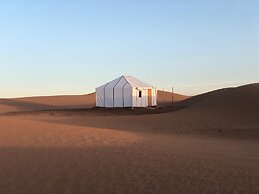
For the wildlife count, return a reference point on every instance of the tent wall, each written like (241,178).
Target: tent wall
(154,97)
(99,99)
(119,93)
(100,95)
(127,91)
(143,100)
(108,98)
(140,101)
(109,93)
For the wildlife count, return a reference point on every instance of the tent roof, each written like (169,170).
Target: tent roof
(133,82)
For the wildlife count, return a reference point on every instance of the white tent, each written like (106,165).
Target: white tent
(126,91)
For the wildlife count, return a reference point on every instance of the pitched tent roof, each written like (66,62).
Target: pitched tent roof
(132,81)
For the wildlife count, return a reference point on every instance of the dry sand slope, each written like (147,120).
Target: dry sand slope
(162,153)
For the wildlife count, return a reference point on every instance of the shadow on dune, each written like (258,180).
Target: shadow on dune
(167,124)
(131,169)
(98,111)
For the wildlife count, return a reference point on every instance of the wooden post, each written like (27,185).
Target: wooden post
(172,95)
(163,95)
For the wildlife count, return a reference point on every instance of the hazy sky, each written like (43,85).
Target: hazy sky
(70,47)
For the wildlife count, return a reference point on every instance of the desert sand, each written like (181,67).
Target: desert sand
(211,145)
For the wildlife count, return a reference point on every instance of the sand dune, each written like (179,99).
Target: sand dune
(211,146)
(240,101)
(246,95)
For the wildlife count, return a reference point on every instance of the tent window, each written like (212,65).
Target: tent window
(140,94)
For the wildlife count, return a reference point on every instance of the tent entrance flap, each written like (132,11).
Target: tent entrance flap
(149,97)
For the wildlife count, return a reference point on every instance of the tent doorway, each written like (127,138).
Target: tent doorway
(149,97)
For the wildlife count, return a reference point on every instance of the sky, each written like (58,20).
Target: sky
(56,47)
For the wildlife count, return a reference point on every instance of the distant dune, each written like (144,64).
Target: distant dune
(165,98)
(65,101)
(47,102)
